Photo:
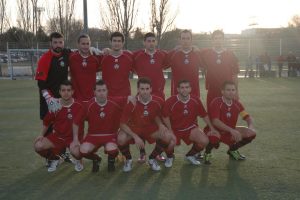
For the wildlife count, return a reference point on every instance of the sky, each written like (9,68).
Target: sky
(232,16)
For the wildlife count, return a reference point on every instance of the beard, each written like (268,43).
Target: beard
(58,50)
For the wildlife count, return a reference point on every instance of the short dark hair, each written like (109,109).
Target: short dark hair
(55,35)
(65,83)
(117,34)
(186,31)
(183,81)
(83,36)
(100,83)
(144,80)
(217,32)
(228,83)
(147,35)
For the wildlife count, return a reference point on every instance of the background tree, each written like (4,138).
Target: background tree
(61,17)
(3,16)
(295,21)
(120,16)
(162,19)
(24,9)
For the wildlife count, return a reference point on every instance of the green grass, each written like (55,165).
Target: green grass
(271,170)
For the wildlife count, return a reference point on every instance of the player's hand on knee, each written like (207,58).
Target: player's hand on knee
(139,142)
(38,139)
(236,135)
(75,144)
(213,132)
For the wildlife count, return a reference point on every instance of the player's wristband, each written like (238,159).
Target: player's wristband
(46,94)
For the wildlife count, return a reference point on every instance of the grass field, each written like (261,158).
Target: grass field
(271,171)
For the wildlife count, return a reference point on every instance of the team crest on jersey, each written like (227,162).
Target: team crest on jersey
(116,66)
(185,112)
(146,113)
(62,63)
(84,63)
(70,116)
(152,61)
(228,114)
(102,114)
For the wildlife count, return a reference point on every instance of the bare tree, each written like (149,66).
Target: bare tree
(121,16)
(295,21)
(3,7)
(162,19)
(24,15)
(61,17)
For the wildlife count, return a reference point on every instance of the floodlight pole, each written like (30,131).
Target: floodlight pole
(85,17)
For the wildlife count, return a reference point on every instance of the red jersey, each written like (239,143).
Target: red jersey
(142,115)
(63,119)
(151,66)
(83,75)
(228,114)
(104,119)
(185,66)
(220,67)
(183,115)
(115,73)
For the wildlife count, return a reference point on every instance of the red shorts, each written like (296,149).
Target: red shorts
(100,140)
(184,135)
(225,138)
(145,133)
(58,142)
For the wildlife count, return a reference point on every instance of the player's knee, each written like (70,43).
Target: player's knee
(84,149)
(204,141)
(111,147)
(121,138)
(38,146)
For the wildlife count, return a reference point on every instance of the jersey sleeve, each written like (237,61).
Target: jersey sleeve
(48,119)
(214,110)
(126,114)
(79,115)
(43,67)
(244,115)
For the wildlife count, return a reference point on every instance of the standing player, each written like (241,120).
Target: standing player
(224,112)
(83,69)
(65,126)
(52,70)
(220,64)
(150,62)
(142,122)
(103,116)
(116,67)
(180,116)
(185,64)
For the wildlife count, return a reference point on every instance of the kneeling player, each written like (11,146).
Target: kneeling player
(65,125)
(103,116)
(224,112)
(142,122)
(180,115)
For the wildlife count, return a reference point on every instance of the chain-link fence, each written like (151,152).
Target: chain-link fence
(17,62)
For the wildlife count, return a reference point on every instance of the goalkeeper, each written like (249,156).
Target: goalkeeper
(51,71)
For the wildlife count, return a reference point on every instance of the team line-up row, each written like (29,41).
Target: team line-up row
(116,119)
